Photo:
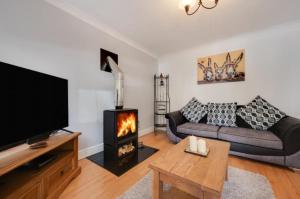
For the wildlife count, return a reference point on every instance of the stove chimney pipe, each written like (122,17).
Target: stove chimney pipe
(119,83)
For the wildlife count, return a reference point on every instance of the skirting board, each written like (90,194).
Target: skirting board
(83,153)
(146,131)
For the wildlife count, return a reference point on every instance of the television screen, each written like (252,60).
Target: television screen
(32,104)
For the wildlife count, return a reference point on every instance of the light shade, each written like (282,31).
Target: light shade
(209,3)
(183,3)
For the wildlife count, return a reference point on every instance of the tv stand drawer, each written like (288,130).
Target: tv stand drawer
(57,175)
(35,192)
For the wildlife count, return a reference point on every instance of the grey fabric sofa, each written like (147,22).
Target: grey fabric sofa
(279,145)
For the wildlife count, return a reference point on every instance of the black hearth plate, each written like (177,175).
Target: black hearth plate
(119,167)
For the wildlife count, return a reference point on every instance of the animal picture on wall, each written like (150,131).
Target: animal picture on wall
(225,67)
(104,55)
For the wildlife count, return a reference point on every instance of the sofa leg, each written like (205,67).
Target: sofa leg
(295,170)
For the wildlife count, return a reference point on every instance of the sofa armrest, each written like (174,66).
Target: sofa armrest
(175,119)
(288,130)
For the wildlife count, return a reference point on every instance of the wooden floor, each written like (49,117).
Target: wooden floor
(96,182)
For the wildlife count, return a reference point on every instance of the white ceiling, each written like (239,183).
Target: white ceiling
(158,27)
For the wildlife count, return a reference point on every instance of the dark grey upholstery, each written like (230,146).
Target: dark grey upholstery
(253,137)
(170,134)
(255,150)
(280,145)
(293,161)
(174,120)
(288,130)
(198,129)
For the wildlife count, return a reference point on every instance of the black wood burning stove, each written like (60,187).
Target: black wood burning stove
(120,133)
(121,150)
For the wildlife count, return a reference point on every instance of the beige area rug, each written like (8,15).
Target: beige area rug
(241,185)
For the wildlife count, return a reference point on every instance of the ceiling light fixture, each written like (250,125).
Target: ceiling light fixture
(187,4)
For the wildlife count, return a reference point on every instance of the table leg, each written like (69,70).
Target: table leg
(226,176)
(157,186)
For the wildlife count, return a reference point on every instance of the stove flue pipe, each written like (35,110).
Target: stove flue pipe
(119,83)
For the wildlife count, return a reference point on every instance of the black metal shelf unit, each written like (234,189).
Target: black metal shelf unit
(161,101)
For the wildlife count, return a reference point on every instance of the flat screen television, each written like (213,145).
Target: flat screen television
(32,104)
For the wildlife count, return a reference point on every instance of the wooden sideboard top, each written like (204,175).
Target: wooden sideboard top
(17,156)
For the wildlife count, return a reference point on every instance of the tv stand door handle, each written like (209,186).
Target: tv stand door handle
(62,173)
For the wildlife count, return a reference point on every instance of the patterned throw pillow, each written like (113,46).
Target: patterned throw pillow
(222,114)
(194,111)
(260,114)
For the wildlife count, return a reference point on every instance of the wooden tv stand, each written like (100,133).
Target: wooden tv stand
(17,181)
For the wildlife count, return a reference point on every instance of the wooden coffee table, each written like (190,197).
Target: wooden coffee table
(201,177)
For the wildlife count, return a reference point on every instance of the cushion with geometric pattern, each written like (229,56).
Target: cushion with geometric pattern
(222,114)
(194,111)
(260,114)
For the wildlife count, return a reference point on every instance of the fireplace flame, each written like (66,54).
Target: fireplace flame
(126,124)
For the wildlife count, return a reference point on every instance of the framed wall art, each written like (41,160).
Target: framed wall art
(225,67)
(105,65)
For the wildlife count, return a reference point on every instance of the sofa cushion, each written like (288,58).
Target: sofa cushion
(260,114)
(240,122)
(222,114)
(252,137)
(198,129)
(194,111)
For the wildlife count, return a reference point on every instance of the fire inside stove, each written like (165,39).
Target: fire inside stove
(127,124)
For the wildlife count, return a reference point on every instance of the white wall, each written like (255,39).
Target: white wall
(36,35)
(272,70)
